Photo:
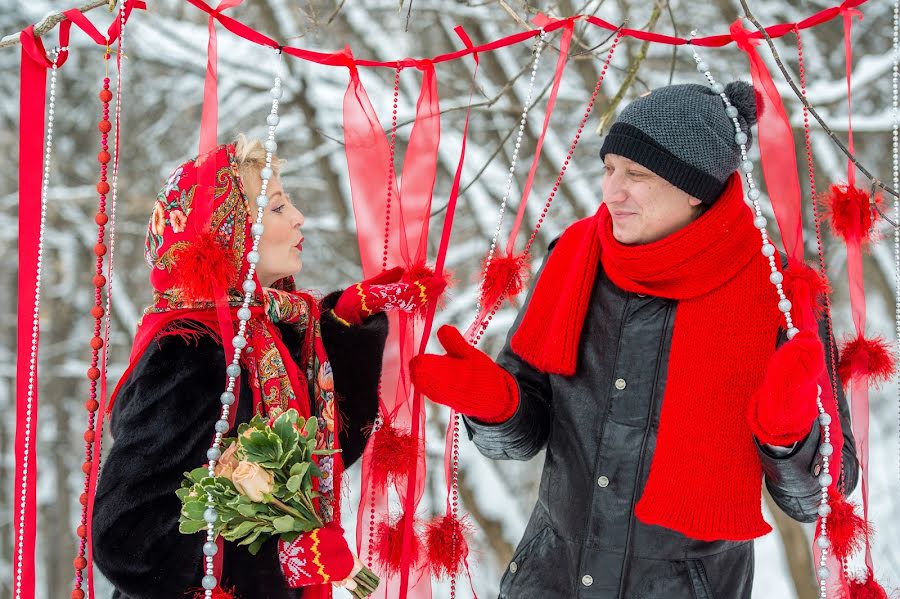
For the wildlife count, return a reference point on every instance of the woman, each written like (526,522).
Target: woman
(170,397)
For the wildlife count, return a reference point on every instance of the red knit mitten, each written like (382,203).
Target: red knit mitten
(386,292)
(784,407)
(316,557)
(465,379)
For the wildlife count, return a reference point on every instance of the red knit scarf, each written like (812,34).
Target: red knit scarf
(705,478)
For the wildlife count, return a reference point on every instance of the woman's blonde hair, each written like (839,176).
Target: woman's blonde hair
(251,158)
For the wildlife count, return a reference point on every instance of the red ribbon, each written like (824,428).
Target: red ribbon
(542,21)
(32,101)
(776,147)
(325,58)
(848,14)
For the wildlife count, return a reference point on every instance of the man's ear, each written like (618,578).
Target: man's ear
(694,201)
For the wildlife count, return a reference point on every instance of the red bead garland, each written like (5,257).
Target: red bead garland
(91,405)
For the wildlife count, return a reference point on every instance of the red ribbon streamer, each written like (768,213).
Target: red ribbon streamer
(776,147)
(32,101)
(564,43)
(325,58)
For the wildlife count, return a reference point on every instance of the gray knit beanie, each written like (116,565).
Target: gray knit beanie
(684,134)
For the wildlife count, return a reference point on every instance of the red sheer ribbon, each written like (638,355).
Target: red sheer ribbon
(713,41)
(542,21)
(32,101)
(776,147)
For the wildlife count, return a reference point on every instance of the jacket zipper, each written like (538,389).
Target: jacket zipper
(641,458)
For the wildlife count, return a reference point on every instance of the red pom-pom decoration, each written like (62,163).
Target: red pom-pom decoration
(847,531)
(446,546)
(866,590)
(850,211)
(861,357)
(505,278)
(204,265)
(389,549)
(395,454)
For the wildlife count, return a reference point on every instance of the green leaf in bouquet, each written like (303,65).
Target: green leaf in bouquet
(294,482)
(238,531)
(314,470)
(284,428)
(284,523)
(189,527)
(256,545)
(311,428)
(299,468)
(325,451)
(264,448)
(248,510)
(193,510)
(197,474)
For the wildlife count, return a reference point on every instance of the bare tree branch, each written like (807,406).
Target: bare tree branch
(54,19)
(875,181)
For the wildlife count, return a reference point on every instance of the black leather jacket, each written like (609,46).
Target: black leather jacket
(599,428)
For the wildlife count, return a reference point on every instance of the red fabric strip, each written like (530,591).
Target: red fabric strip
(776,147)
(32,100)
(551,102)
(848,14)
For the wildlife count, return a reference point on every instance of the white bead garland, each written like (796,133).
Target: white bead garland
(239,342)
(538,48)
(35,320)
(895,135)
(784,305)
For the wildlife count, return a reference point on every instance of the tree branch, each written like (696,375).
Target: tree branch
(54,19)
(875,181)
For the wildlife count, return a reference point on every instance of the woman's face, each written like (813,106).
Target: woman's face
(281,242)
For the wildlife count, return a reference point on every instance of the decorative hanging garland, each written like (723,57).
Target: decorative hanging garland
(239,342)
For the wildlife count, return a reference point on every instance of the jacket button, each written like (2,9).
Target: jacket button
(513,567)
(587,580)
(620,384)
(603,481)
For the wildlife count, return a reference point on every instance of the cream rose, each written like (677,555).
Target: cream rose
(228,456)
(252,481)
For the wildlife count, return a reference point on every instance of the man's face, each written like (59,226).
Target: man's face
(644,207)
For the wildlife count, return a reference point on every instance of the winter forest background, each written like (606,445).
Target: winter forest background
(166,48)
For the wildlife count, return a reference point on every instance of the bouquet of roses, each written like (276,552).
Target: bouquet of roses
(262,488)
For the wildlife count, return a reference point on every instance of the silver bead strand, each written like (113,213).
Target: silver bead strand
(895,135)
(35,320)
(784,305)
(538,49)
(239,341)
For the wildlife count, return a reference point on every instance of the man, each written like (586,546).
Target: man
(645,363)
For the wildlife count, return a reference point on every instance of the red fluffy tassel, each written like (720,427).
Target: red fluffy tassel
(846,530)
(218,593)
(394,454)
(388,540)
(203,265)
(446,546)
(866,590)
(851,214)
(505,278)
(434,286)
(861,357)
(806,289)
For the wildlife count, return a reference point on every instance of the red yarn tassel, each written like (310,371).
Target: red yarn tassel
(395,454)
(869,589)
(846,530)
(851,213)
(434,286)
(218,593)
(806,289)
(204,265)
(861,357)
(446,545)
(389,548)
(505,278)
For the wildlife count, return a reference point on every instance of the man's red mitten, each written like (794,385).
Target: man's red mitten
(466,379)
(316,557)
(784,407)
